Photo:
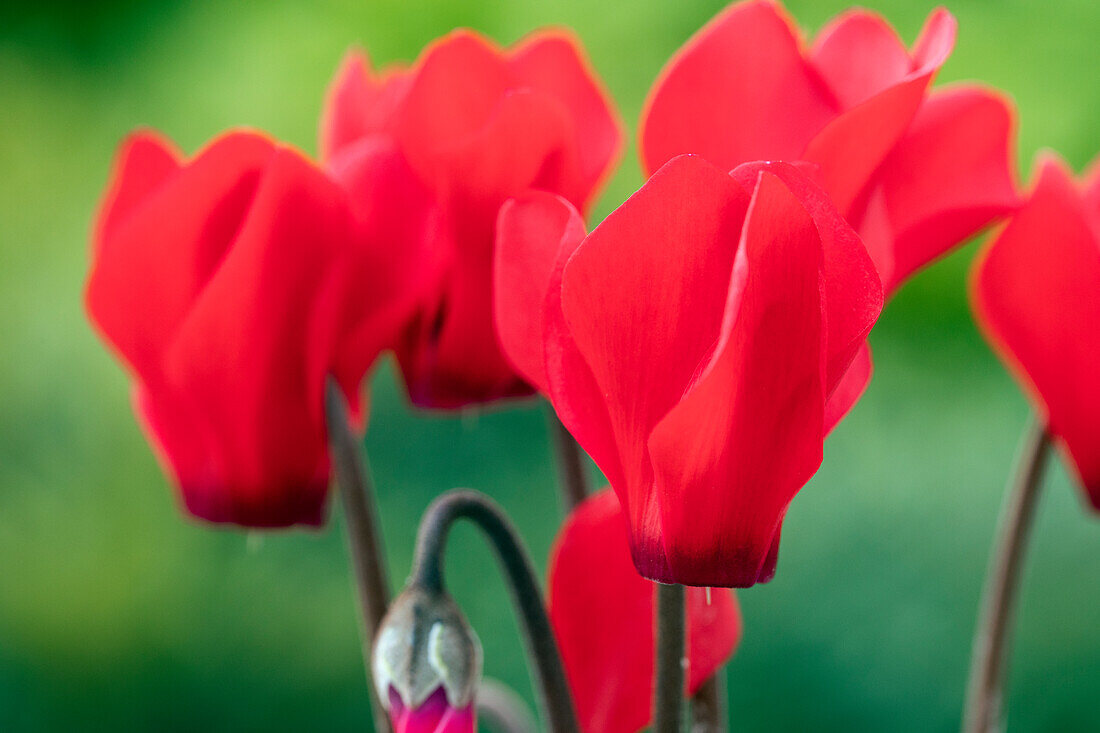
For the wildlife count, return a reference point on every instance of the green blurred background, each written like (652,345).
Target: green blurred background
(116,613)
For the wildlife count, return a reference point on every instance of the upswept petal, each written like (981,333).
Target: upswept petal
(457,83)
(853,383)
(523,144)
(532,231)
(1035,293)
(152,264)
(738,90)
(851,147)
(603,616)
(256,332)
(552,62)
(359,104)
(950,175)
(396,220)
(859,55)
(851,287)
(477,124)
(751,426)
(571,385)
(467,127)
(1092,187)
(144,161)
(674,240)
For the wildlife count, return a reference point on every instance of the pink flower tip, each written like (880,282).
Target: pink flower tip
(434,715)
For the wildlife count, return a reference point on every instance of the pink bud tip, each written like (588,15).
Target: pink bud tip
(434,715)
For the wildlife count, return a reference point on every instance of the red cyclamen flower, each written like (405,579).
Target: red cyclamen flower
(699,344)
(478,125)
(916,173)
(231,285)
(1036,294)
(603,617)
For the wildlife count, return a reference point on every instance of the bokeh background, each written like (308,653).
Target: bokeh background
(116,613)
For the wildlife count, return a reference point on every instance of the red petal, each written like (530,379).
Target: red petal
(850,388)
(571,386)
(553,63)
(458,358)
(949,176)
(749,434)
(457,84)
(478,126)
(603,616)
(853,145)
(398,219)
(853,292)
(357,104)
(859,54)
(250,356)
(502,144)
(532,231)
(877,234)
(1092,187)
(1035,293)
(739,90)
(153,264)
(643,298)
(450,355)
(144,161)
(523,144)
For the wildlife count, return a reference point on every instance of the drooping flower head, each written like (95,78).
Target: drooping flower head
(478,124)
(603,617)
(1036,294)
(232,284)
(426,664)
(915,172)
(699,344)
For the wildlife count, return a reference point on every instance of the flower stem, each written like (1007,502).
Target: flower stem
(364,538)
(708,706)
(504,710)
(542,647)
(985,689)
(669,683)
(572,476)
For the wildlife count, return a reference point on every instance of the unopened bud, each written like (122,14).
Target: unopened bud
(427,664)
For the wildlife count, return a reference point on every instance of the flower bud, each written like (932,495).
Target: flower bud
(426,664)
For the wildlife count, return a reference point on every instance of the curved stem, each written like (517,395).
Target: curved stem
(708,706)
(364,538)
(985,689)
(572,474)
(669,684)
(542,647)
(503,709)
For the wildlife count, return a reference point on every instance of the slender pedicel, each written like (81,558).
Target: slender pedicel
(708,704)
(542,647)
(572,472)
(989,660)
(503,709)
(364,538)
(669,684)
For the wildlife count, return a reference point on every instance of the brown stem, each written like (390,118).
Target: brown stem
(503,709)
(542,646)
(364,538)
(708,706)
(572,473)
(669,683)
(985,689)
